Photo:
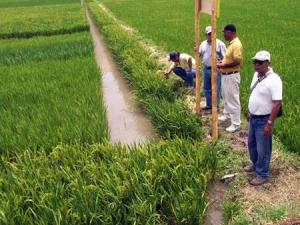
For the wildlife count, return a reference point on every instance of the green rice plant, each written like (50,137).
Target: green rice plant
(37,49)
(174,29)
(27,3)
(170,117)
(158,183)
(44,104)
(45,101)
(25,22)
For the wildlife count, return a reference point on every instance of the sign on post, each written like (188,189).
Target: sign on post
(207,6)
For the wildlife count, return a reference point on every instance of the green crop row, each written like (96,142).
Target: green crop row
(159,183)
(28,3)
(25,22)
(57,47)
(46,100)
(269,25)
(168,114)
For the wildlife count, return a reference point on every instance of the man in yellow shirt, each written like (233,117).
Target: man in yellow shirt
(230,73)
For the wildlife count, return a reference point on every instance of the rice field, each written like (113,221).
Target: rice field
(51,89)
(158,183)
(260,24)
(24,22)
(56,165)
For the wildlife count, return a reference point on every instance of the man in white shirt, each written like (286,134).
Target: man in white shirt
(205,54)
(264,104)
(183,65)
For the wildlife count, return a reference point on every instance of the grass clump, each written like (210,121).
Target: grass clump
(161,183)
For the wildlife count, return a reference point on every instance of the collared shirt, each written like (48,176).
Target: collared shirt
(264,93)
(234,52)
(183,62)
(205,51)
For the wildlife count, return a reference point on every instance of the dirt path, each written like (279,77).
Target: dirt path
(126,121)
(214,214)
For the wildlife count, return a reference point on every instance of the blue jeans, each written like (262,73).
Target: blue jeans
(260,146)
(207,87)
(188,77)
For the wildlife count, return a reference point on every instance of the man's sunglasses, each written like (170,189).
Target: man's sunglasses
(258,62)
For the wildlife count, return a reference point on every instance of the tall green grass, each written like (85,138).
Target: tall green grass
(270,25)
(167,112)
(25,22)
(159,183)
(46,100)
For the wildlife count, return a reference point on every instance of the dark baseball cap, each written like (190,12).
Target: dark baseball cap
(173,55)
(230,27)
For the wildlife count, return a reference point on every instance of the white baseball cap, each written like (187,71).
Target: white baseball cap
(262,56)
(208,30)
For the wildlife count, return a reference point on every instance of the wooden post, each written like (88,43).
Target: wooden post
(197,58)
(214,118)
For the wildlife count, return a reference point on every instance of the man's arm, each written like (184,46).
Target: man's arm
(190,62)
(169,70)
(235,62)
(269,126)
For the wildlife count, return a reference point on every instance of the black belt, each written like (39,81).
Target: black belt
(228,73)
(208,67)
(259,116)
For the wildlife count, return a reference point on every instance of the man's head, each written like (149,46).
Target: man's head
(174,56)
(208,33)
(261,61)
(229,32)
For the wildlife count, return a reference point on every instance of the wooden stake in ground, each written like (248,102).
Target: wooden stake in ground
(214,117)
(197,57)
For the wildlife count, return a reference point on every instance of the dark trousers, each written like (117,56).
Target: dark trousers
(188,77)
(207,87)
(260,146)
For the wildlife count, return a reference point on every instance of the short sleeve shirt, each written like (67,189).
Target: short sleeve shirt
(183,62)
(264,93)
(234,52)
(205,51)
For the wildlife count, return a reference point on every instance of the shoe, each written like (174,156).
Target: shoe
(258,181)
(249,168)
(206,108)
(223,118)
(232,128)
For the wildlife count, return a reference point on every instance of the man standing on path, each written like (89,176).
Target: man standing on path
(230,71)
(205,54)
(264,104)
(183,65)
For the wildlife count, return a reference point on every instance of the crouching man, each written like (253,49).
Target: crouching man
(183,65)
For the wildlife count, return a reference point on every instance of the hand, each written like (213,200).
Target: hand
(166,74)
(268,130)
(220,65)
(248,116)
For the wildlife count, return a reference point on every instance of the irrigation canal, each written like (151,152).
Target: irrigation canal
(127,122)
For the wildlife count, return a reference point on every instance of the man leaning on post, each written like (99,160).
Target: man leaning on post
(264,104)
(205,54)
(230,73)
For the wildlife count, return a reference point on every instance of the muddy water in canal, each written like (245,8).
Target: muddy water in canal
(127,123)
